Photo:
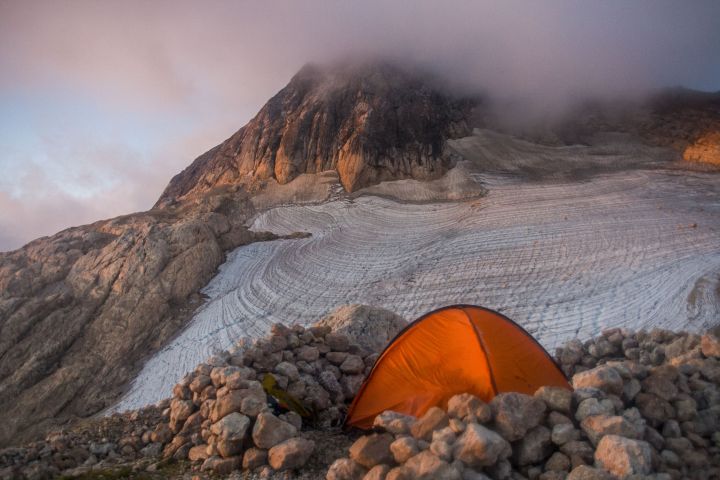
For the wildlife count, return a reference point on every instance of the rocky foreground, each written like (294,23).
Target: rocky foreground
(644,405)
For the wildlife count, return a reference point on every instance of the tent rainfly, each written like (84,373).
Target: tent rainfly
(453,350)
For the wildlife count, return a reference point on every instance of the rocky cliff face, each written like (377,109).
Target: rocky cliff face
(371,123)
(81,309)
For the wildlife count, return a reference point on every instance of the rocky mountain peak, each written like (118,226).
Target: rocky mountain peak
(370,122)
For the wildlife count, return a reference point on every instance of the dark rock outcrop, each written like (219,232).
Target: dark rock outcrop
(371,123)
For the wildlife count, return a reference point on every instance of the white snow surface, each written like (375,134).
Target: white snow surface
(562,259)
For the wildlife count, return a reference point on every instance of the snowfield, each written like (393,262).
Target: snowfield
(635,249)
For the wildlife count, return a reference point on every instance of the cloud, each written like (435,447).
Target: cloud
(183,75)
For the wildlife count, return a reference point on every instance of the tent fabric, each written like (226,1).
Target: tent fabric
(453,350)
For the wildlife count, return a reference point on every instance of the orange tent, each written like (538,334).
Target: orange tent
(453,350)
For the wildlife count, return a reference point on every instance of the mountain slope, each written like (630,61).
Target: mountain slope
(81,309)
(371,122)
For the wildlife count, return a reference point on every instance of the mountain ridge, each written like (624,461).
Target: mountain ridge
(370,123)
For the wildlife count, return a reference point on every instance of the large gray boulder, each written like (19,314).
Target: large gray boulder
(371,328)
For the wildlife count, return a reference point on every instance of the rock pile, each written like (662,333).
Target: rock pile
(133,438)
(219,413)
(644,405)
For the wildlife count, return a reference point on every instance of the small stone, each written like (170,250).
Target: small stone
(371,450)
(584,472)
(653,408)
(579,449)
(442,450)
(198,452)
(556,398)
(516,413)
(288,369)
(661,386)
(710,345)
(603,377)
(351,384)
(465,405)
(222,466)
(337,342)
(631,388)
(480,446)
(622,456)
(345,469)
(597,426)
(352,365)
(556,418)
(435,418)
(254,458)
(292,453)
(426,466)
(563,433)
(558,462)
(534,447)
(590,407)
(308,354)
(336,358)
(403,448)
(394,422)
(226,404)
(378,472)
(231,427)
(270,430)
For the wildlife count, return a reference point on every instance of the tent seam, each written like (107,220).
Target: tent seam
(485,351)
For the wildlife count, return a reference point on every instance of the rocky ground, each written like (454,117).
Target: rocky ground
(645,405)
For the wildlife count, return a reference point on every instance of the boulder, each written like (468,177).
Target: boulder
(426,466)
(345,469)
(394,422)
(480,446)
(371,328)
(352,365)
(661,386)
(467,405)
(231,402)
(558,462)
(403,448)
(434,419)
(623,456)
(371,450)
(254,458)
(653,408)
(603,377)
(534,447)
(563,433)
(516,413)
(233,426)
(597,426)
(270,430)
(378,472)
(290,454)
(198,452)
(288,370)
(556,398)
(338,342)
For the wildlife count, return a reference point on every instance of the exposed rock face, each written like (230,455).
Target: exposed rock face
(371,123)
(80,309)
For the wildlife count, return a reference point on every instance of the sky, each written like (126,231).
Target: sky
(101,103)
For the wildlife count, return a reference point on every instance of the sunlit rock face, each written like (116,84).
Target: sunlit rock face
(370,123)
(705,149)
